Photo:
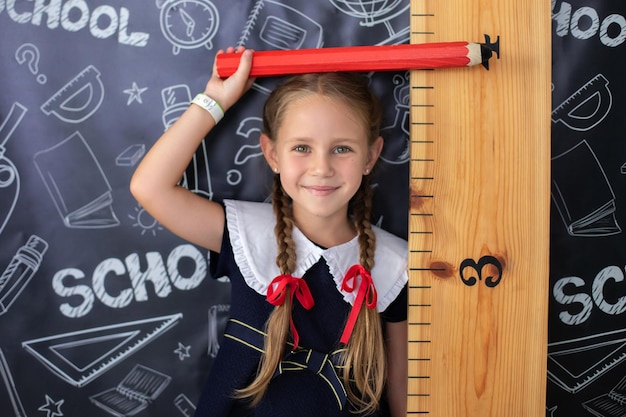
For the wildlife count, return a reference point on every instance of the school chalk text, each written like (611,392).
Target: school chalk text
(74,15)
(184,269)
(586,23)
(579,302)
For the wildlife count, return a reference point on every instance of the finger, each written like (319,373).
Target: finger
(245,64)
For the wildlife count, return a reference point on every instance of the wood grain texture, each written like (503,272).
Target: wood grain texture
(480,201)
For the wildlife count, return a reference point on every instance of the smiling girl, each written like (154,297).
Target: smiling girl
(318,298)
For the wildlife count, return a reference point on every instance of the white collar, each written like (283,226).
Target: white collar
(251,229)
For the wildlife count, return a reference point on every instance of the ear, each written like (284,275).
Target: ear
(269,151)
(373,153)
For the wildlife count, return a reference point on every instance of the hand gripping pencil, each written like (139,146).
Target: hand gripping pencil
(359,58)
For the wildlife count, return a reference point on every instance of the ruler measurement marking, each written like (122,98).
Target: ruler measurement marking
(421,168)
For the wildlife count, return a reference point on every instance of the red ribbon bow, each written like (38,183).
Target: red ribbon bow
(366,292)
(277,292)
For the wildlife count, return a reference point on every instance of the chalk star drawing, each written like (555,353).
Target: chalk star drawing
(182,351)
(52,408)
(134,94)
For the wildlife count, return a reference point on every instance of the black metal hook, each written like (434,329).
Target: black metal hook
(488,48)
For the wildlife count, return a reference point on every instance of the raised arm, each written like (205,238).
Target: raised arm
(155,181)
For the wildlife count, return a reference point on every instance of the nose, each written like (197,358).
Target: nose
(321,165)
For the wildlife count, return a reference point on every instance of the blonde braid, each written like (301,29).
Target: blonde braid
(277,325)
(365,358)
(362,211)
(286,257)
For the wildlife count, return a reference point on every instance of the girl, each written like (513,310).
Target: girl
(318,297)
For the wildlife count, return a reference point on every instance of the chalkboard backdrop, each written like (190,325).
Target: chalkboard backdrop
(587,328)
(103,312)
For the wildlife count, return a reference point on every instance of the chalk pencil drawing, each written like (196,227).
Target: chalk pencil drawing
(21,269)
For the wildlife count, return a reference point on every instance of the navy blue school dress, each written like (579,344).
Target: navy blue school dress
(306,383)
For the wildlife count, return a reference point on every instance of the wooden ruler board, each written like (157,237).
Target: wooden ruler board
(479,214)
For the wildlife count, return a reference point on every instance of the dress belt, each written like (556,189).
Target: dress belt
(299,360)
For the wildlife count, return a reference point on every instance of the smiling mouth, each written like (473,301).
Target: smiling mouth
(320,190)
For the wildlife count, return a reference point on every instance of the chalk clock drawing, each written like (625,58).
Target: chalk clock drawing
(188,24)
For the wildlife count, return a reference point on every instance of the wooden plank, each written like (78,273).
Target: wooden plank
(480,201)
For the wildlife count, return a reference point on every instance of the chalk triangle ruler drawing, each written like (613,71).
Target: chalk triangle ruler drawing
(572,367)
(80,357)
(479,214)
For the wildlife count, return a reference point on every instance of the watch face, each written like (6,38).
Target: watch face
(189,23)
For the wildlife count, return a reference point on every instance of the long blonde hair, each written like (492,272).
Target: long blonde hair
(363,361)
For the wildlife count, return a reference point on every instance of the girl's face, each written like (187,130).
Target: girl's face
(321,152)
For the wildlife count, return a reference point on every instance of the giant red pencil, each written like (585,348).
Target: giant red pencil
(358,58)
